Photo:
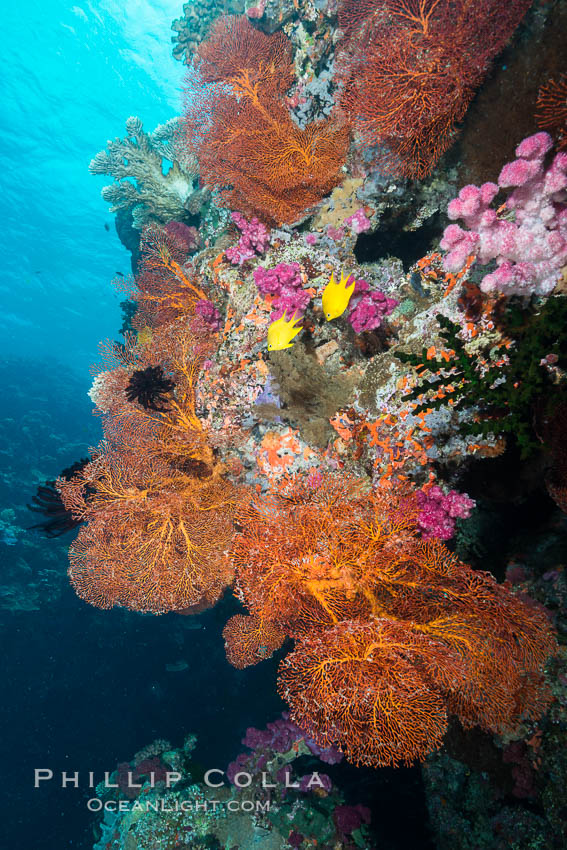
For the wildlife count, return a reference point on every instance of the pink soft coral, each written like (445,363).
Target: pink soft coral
(529,250)
(368,307)
(254,239)
(439,511)
(284,282)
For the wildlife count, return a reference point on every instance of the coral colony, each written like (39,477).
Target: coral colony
(322,478)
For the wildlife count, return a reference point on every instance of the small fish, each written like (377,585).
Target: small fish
(336,296)
(281,332)
(177,666)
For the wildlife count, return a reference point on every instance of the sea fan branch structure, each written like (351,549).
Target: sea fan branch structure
(237,125)
(392,633)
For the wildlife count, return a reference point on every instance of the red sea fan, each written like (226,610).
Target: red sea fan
(410,83)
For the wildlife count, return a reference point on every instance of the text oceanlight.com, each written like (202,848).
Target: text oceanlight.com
(167,805)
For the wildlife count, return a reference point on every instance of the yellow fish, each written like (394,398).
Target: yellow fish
(336,296)
(281,332)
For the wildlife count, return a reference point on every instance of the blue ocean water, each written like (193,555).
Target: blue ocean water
(70,76)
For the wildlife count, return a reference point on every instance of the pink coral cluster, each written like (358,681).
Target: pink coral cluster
(337,234)
(209,314)
(368,307)
(255,12)
(439,511)
(531,249)
(186,237)
(284,282)
(358,221)
(281,735)
(253,240)
(350,818)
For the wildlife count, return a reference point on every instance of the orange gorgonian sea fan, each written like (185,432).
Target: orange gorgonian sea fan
(158,507)
(238,126)
(159,522)
(155,546)
(166,289)
(392,633)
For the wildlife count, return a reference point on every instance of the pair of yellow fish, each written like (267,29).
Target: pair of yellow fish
(335,301)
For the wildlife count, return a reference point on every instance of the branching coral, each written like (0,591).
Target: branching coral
(392,633)
(140,185)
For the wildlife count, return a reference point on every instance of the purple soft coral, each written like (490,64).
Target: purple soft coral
(186,237)
(253,240)
(368,307)
(209,314)
(285,284)
(439,510)
(279,737)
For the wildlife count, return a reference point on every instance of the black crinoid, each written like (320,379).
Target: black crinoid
(149,387)
(47,501)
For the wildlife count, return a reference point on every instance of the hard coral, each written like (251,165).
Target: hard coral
(137,165)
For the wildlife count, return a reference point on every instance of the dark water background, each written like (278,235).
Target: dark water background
(85,689)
